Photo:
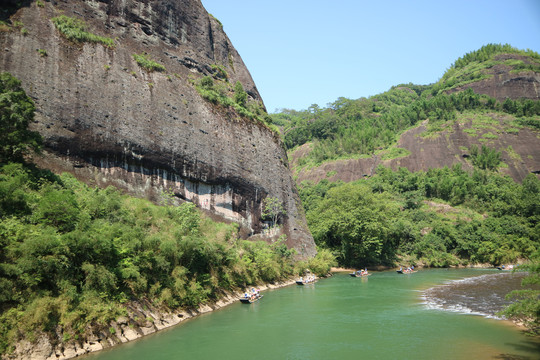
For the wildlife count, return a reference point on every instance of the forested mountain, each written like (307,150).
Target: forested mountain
(425,126)
(441,174)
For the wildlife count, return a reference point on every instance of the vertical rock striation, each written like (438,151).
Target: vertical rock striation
(111,122)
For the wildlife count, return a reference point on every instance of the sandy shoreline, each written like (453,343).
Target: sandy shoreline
(340,269)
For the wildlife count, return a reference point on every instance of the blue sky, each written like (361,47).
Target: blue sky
(303,52)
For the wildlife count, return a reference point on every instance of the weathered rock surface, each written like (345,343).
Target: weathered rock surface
(110,122)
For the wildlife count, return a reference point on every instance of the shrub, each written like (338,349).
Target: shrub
(486,158)
(17,113)
(75,30)
(240,95)
(207,82)
(220,72)
(148,64)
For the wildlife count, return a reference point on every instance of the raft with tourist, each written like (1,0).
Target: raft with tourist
(310,279)
(506,267)
(360,273)
(251,296)
(408,270)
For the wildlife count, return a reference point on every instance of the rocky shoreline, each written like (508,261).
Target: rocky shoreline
(143,319)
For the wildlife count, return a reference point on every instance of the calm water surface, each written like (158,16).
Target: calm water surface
(384,316)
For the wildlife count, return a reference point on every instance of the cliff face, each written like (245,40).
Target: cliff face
(110,122)
(520,151)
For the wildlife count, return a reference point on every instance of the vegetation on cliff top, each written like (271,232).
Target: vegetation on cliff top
(474,66)
(218,91)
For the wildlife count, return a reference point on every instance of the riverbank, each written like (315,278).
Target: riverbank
(354,313)
(143,319)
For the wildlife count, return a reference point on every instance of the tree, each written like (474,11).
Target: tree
(240,95)
(273,209)
(16,112)
(527,307)
(355,222)
(486,159)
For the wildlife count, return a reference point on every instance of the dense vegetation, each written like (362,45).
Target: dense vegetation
(72,257)
(363,127)
(439,218)
(526,302)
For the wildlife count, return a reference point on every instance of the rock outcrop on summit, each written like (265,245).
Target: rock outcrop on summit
(109,121)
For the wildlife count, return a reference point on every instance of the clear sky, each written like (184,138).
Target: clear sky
(303,52)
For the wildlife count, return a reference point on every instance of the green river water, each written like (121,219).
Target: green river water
(384,316)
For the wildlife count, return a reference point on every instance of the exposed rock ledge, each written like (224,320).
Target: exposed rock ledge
(143,319)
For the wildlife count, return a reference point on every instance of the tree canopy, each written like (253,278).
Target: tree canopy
(441,217)
(16,113)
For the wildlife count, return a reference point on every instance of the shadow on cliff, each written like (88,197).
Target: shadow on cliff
(10,7)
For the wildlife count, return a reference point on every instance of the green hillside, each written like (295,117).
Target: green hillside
(349,129)
(474,66)
(438,218)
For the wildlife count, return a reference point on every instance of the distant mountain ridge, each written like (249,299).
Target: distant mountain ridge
(489,97)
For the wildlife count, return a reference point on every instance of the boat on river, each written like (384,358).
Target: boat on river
(406,271)
(306,281)
(507,268)
(359,274)
(250,299)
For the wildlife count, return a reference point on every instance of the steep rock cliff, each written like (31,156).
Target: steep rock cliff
(111,122)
